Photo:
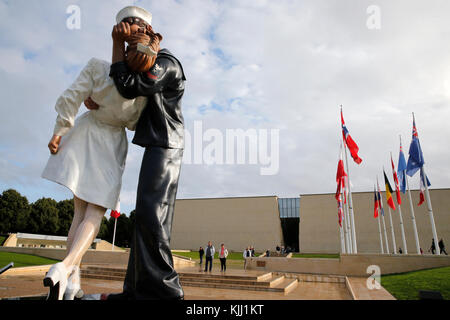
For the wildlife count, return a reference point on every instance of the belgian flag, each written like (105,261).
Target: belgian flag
(389,191)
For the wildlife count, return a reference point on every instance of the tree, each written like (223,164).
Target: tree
(14,211)
(44,217)
(65,216)
(104,232)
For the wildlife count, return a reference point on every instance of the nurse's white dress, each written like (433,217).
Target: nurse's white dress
(91,157)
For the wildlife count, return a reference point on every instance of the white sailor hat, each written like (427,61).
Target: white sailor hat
(133,11)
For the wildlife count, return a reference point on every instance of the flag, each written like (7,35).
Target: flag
(401,170)
(389,191)
(422,188)
(352,146)
(375,210)
(340,180)
(397,189)
(415,159)
(115,214)
(340,176)
(380,203)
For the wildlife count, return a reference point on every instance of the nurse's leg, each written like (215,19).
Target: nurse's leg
(85,234)
(80,207)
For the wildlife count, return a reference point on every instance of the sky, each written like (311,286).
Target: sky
(276,70)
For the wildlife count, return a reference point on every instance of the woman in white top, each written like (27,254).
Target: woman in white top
(88,157)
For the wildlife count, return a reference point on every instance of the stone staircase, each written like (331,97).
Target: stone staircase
(265,282)
(268,282)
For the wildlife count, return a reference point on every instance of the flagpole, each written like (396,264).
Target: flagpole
(402,228)
(379,224)
(385,235)
(352,218)
(347,229)
(384,222)
(413,218)
(379,229)
(343,249)
(430,211)
(346,215)
(392,231)
(114,234)
(398,193)
(390,215)
(342,240)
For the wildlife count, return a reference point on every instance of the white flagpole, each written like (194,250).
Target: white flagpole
(413,218)
(405,248)
(114,234)
(390,219)
(343,249)
(430,211)
(342,240)
(344,207)
(385,235)
(392,231)
(384,222)
(350,204)
(379,229)
(347,228)
(379,226)
(402,229)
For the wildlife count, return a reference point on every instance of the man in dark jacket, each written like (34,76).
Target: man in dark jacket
(160,130)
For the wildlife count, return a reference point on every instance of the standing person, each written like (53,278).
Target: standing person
(223,254)
(201,252)
(160,130)
(442,246)
(246,254)
(209,256)
(252,251)
(400,251)
(88,157)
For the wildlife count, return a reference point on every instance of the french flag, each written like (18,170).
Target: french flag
(352,146)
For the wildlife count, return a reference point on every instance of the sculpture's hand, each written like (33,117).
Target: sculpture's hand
(53,145)
(90,104)
(121,31)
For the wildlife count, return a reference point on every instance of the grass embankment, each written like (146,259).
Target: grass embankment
(23,260)
(406,286)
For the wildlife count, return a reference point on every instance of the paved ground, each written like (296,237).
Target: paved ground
(31,285)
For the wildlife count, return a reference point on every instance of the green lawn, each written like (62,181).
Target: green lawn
(406,286)
(23,260)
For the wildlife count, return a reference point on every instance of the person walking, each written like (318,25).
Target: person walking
(201,253)
(209,256)
(223,254)
(442,247)
(433,247)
